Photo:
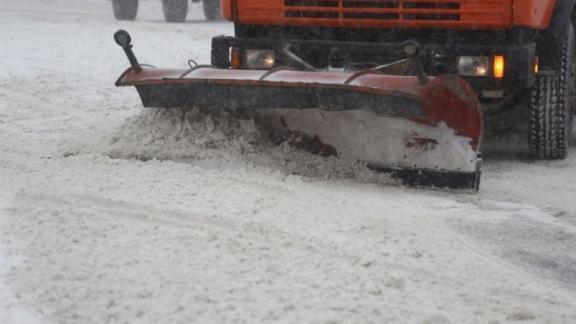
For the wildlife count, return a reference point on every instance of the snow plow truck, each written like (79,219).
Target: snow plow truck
(174,10)
(402,85)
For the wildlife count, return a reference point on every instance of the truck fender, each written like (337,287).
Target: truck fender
(550,41)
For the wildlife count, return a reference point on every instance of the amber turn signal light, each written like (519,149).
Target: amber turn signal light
(235,58)
(499,66)
(535,64)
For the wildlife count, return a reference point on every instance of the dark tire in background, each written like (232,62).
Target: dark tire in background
(212,9)
(551,107)
(175,10)
(125,9)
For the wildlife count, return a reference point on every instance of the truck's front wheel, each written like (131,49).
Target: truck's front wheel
(175,10)
(125,9)
(212,9)
(551,107)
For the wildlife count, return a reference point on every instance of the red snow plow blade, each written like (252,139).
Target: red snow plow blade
(425,133)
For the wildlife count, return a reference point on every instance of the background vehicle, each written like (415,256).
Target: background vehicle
(174,10)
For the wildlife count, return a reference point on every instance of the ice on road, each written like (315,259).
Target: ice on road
(110,213)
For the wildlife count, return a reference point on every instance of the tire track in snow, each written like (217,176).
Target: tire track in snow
(250,243)
(527,237)
(12,310)
(262,240)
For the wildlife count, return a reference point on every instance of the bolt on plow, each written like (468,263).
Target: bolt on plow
(425,131)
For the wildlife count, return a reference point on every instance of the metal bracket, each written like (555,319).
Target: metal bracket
(412,49)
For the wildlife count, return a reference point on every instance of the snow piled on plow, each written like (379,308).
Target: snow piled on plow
(222,138)
(381,141)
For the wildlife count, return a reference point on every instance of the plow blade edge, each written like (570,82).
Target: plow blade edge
(425,133)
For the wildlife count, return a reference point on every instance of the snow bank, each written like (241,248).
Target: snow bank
(218,137)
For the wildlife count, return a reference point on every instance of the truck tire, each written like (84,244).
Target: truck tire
(551,107)
(212,9)
(175,10)
(125,9)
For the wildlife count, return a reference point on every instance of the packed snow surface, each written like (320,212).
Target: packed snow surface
(111,213)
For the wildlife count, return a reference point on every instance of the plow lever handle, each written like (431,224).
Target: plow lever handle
(123,39)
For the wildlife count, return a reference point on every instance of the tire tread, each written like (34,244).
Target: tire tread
(550,110)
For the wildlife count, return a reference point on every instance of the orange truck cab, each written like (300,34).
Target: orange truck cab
(510,51)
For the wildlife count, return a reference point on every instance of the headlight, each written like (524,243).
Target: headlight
(259,59)
(473,65)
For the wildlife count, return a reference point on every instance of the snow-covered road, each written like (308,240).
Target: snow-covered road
(110,213)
